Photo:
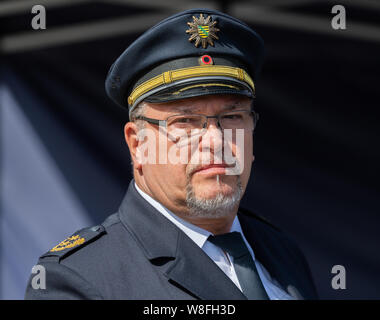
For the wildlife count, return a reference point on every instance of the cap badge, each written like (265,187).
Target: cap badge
(203,31)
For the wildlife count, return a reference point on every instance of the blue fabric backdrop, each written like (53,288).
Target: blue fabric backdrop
(65,165)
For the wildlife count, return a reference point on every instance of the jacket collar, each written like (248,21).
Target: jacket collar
(269,250)
(187,264)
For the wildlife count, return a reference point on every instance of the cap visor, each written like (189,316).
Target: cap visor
(199,88)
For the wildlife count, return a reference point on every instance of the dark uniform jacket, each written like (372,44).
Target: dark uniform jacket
(137,253)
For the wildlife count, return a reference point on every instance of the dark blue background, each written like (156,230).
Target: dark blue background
(316,144)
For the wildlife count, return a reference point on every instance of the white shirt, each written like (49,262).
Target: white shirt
(221,258)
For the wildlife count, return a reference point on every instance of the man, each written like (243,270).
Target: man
(189,85)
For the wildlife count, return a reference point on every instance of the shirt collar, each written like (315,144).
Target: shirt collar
(198,235)
(195,233)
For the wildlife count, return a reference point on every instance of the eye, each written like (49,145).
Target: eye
(232,116)
(185,120)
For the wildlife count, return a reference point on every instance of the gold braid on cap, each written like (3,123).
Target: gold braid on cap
(188,73)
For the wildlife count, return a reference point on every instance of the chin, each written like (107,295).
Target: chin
(210,188)
(213,199)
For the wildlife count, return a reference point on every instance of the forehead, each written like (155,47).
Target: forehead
(202,104)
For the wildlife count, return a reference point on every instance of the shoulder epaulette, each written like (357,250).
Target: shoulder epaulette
(77,240)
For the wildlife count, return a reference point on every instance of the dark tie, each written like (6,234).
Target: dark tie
(245,268)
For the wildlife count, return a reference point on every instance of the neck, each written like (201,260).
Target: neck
(216,226)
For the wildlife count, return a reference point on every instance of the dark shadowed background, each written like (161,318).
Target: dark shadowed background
(65,165)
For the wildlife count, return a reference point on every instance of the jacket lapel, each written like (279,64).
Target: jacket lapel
(187,264)
(196,272)
(269,251)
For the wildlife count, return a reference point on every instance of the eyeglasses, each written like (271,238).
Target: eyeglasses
(238,119)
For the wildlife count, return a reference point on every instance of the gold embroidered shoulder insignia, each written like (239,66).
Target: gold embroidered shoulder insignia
(70,242)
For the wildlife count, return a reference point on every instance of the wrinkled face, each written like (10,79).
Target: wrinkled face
(205,173)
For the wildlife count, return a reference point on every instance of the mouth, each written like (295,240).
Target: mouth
(212,169)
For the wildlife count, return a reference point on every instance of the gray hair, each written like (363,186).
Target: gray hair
(138,111)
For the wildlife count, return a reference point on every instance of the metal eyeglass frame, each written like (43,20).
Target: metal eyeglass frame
(254,114)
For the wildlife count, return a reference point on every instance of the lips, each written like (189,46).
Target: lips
(212,169)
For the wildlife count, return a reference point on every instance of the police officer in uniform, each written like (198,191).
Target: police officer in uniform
(188,83)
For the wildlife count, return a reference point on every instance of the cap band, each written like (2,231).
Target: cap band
(188,73)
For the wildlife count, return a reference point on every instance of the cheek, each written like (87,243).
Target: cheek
(163,160)
(171,179)
(249,148)
(243,150)
(248,156)
(174,166)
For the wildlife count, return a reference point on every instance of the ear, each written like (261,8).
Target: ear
(130,135)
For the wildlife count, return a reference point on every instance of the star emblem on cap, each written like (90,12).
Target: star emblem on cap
(203,31)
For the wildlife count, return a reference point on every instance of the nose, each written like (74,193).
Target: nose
(213,121)
(212,139)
